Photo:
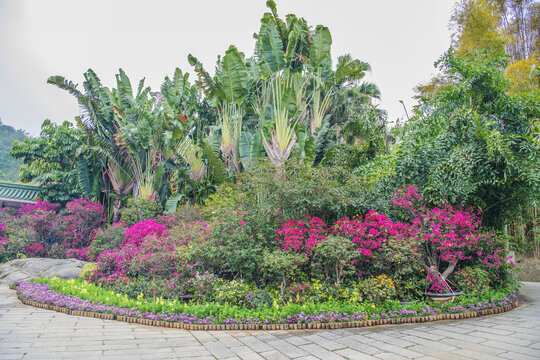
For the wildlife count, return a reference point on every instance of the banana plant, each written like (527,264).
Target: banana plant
(285,89)
(193,155)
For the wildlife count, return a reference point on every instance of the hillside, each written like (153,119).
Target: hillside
(9,167)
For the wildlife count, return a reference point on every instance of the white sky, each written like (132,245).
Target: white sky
(38,38)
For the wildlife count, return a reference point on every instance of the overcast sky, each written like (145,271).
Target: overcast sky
(38,38)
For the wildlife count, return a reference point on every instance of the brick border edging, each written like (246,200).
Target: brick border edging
(342,325)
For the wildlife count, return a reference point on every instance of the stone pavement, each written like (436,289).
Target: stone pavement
(31,333)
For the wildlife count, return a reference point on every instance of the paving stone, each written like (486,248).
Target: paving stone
(42,334)
(321,352)
(324,342)
(356,345)
(354,355)
(434,352)
(255,344)
(517,356)
(465,345)
(274,355)
(392,349)
(246,353)
(287,348)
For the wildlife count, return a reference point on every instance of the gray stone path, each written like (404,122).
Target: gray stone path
(31,333)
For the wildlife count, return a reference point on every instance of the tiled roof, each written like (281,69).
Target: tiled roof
(18,192)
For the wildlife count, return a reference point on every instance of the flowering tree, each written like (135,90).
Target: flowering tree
(445,236)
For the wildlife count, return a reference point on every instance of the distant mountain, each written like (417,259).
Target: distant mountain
(9,167)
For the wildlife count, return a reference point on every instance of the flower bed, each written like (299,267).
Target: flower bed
(75,297)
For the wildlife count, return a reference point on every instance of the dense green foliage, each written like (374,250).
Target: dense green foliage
(472,144)
(50,160)
(9,166)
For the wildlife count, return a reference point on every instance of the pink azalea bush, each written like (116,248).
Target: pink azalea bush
(39,206)
(369,234)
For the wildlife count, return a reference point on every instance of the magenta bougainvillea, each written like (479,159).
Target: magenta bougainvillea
(35,250)
(147,251)
(81,218)
(446,236)
(371,233)
(302,235)
(39,206)
(139,231)
(81,254)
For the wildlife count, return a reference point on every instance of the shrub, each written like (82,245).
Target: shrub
(80,219)
(35,250)
(281,267)
(135,234)
(4,256)
(203,286)
(301,236)
(188,213)
(236,292)
(378,289)
(237,243)
(472,280)
(141,209)
(106,239)
(18,234)
(88,271)
(335,255)
(80,254)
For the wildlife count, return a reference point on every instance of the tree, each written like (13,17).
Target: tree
(472,144)
(520,20)
(476,27)
(50,160)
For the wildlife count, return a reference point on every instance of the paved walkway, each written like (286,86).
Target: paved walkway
(31,333)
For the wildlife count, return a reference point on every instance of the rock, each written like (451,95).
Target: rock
(24,269)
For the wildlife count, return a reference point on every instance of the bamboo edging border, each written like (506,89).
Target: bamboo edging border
(342,325)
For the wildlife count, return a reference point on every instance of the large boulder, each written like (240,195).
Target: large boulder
(25,269)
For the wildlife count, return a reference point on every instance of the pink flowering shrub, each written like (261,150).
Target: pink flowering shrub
(301,236)
(137,233)
(80,219)
(44,221)
(35,250)
(39,206)
(109,238)
(148,259)
(370,234)
(81,254)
